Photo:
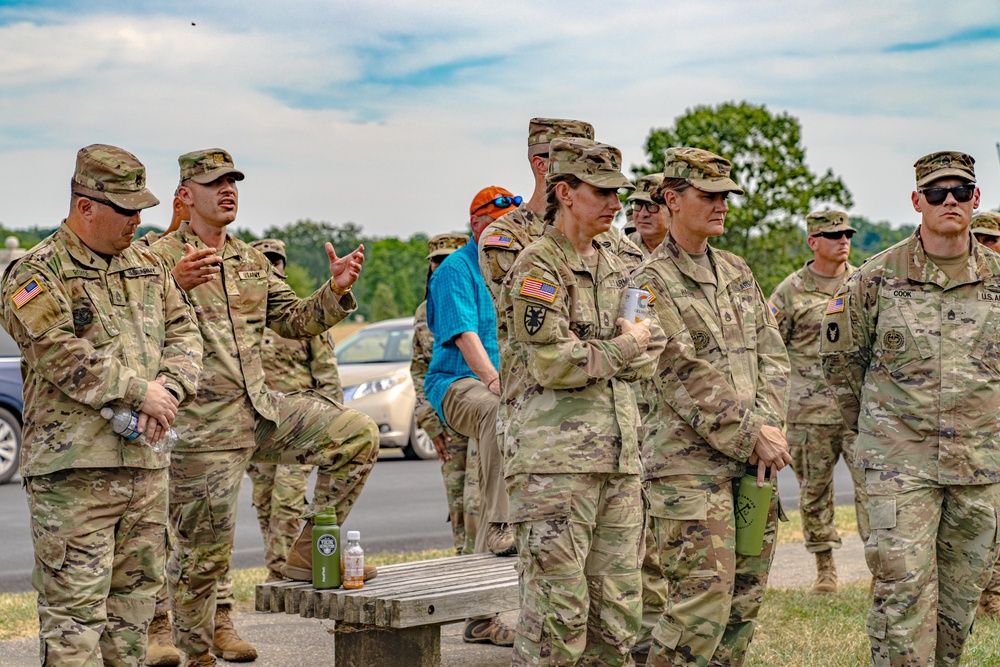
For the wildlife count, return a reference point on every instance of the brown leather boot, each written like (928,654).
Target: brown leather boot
(989,604)
(160,649)
(201,660)
(226,643)
(298,565)
(826,573)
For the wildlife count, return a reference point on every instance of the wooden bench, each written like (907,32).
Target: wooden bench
(396,618)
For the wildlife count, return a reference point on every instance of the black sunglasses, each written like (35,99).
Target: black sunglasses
(835,236)
(127,212)
(648,205)
(961,193)
(500,202)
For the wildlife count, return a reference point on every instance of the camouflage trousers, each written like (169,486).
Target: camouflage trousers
(714,594)
(204,487)
(579,542)
(470,497)
(453,473)
(931,551)
(279,496)
(99,537)
(654,587)
(471,409)
(224,594)
(815,449)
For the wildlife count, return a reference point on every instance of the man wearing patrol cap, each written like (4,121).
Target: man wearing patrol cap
(236,416)
(571,446)
(463,384)
(650,219)
(817,436)
(986,229)
(909,348)
(717,403)
(452,447)
(99,324)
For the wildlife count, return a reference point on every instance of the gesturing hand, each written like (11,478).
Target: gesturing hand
(196,267)
(345,270)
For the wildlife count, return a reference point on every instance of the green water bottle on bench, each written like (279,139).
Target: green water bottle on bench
(326,550)
(752,506)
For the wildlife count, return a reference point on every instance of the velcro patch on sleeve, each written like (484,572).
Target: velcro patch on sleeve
(835,306)
(539,289)
(652,294)
(774,309)
(498,241)
(28,291)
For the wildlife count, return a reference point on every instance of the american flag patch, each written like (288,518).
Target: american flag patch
(652,294)
(539,289)
(774,308)
(30,290)
(835,306)
(498,240)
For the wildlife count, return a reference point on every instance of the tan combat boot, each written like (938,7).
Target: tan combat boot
(298,565)
(989,604)
(202,660)
(160,648)
(826,573)
(226,643)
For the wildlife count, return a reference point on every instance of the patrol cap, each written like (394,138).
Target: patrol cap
(481,203)
(112,174)
(592,162)
(944,164)
(986,222)
(703,169)
(828,221)
(442,245)
(206,165)
(644,185)
(544,130)
(272,247)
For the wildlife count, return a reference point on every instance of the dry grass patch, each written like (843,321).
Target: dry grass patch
(791,532)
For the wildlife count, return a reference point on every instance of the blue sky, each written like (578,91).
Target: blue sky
(392,114)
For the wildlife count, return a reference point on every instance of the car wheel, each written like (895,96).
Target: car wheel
(421,446)
(10,445)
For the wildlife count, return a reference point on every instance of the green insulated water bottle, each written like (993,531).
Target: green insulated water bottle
(752,505)
(326,550)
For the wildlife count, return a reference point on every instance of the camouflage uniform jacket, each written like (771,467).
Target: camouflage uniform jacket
(913,359)
(724,374)
(575,410)
(96,334)
(798,306)
(297,365)
(637,241)
(232,311)
(423,346)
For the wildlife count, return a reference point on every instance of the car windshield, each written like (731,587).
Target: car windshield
(377,345)
(8,348)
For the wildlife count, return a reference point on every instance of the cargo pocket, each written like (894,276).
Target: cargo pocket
(49,548)
(876,624)
(666,633)
(191,509)
(885,559)
(680,528)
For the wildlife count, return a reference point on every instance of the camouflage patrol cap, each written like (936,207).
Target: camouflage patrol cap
(944,164)
(592,162)
(703,169)
(442,245)
(272,247)
(206,165)
(112,174)
(827,221)
(986,222)
(644,185)
(544,130)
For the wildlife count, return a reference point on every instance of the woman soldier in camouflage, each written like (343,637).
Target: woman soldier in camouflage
(571,448)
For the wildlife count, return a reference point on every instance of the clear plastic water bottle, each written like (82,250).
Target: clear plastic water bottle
(125,423)
(354,561)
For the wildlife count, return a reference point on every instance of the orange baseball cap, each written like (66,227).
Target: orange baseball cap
(494,201)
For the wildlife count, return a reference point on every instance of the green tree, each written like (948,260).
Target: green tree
(383,304)
(874,237)
(769,164)
(299,279)
(400,267)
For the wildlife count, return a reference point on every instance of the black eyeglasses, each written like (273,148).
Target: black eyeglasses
(127,212)
(500,202)
(835,236)
(961,193)
(648,205)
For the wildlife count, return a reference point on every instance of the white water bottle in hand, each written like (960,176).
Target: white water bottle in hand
(125,423)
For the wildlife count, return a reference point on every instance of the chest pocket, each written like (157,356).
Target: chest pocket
(744,307)
(250,284)
(93,314)
(986,348)
(896,345)
(147,290)
(693,311)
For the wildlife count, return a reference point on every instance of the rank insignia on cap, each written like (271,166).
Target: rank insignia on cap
(498,241)
(835,306)
(775,310)
(539,289)
(652,294)
(29,291)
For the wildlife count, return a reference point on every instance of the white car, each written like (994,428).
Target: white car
(374,364)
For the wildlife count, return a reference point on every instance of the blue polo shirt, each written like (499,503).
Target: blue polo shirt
(457,301)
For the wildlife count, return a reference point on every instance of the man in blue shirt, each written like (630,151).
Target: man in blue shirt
(463,383)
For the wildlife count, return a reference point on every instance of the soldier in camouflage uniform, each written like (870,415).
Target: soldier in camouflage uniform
(179,215)
(235,416)
(817,436)
(650,218)
(911,350)
(717,403)
(571,449)
(290,366)
(99,324)
(986,229)
(452,447)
